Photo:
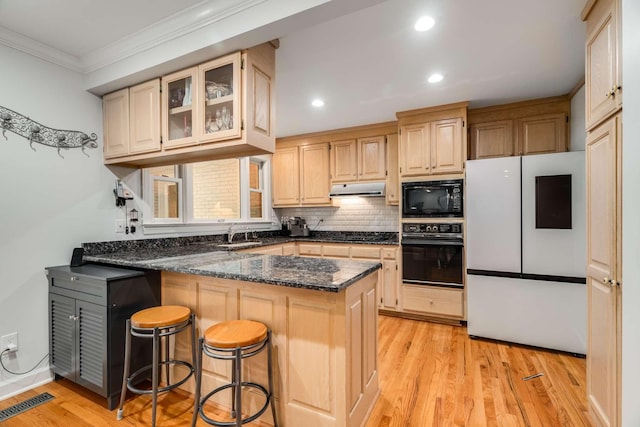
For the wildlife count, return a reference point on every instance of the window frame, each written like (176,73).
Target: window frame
(186,222)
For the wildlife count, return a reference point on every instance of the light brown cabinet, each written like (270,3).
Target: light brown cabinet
(361,159)
(603,117)
(432,141)
(392,192)
(301,175)
(219,109)
(144,113)
(131,119)
(115,121)
(326,361)
(357,154)
(492,139)
(603,271)
(519,129)
(541,134)
(603,88)
(433,301)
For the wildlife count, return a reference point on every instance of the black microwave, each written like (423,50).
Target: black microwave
(432,199)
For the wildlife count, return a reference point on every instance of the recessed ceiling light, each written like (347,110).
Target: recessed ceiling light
(424,23)
(435,78)
(317,102)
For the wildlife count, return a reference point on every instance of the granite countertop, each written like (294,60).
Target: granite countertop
(322,274)
(207,256)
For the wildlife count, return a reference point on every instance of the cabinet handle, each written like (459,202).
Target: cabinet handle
(605,280)
(74,278)
(72,317)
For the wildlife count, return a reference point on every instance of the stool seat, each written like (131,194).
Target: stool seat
(235,333)
(161,316)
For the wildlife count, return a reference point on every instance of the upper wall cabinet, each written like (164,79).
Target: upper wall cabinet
(392,190)
(131,120)
(304,166)
(518,129)
(603,89)
(432,141)
(219,109)
(301,174)
(361,159)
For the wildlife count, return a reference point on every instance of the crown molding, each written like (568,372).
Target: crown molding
(186,21)
(180,24)
(40,50)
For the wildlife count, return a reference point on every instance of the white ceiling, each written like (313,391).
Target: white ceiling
(363,57)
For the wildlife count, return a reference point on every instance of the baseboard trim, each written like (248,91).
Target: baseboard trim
(20,384)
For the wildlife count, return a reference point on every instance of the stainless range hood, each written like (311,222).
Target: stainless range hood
(365,189)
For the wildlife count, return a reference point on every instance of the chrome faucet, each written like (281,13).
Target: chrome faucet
(230,233)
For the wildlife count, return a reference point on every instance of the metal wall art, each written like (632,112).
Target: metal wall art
(35,132)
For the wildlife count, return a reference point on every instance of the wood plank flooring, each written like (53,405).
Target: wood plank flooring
(430,375)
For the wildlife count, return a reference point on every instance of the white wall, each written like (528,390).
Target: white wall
(630,209)
(577,130)
(49,205)
(354,214)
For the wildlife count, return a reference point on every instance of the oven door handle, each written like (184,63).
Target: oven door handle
(431,242)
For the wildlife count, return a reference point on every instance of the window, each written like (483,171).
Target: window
(167,193)
(216,191)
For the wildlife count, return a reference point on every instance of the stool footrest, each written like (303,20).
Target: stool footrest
(168,387)
(250,418)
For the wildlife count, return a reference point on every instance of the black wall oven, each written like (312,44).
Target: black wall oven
(432,254)
(432,199)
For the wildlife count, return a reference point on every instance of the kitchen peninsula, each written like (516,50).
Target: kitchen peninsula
(322,312)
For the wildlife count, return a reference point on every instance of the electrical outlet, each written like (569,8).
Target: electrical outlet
(119,226)
(10,342)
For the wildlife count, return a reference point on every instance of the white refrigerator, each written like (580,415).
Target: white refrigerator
(525,250)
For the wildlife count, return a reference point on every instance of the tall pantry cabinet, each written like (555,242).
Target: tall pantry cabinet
(603,102)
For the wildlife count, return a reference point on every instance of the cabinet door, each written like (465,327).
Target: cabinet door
(218,100)
(602,293)
(393,178)
(415,150)
(371,159)
(91,326)
(180,99)
(286,176)
(258,88)
(389,284)
(493,139)
(601,88)
(542,134)
(62,340)
(314,169)
(115,119)
(144,125)
(343,161)
(446,146)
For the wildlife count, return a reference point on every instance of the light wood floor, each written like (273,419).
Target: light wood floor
(430,375)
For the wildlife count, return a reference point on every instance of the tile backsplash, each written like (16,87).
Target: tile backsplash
(354,214)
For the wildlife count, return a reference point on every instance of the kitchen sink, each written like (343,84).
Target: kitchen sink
(239,244)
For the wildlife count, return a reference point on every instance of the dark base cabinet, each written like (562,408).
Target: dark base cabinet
(88,309)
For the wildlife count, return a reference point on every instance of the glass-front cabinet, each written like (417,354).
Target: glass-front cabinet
(179,102)
(202,103)
(218,98)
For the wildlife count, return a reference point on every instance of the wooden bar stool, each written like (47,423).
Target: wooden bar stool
(157,323)
(234,340)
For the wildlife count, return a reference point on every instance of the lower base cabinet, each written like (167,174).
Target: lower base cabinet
(435,301)
(325,346)
(88,309)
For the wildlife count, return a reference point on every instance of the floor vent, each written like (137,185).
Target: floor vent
(21,407)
